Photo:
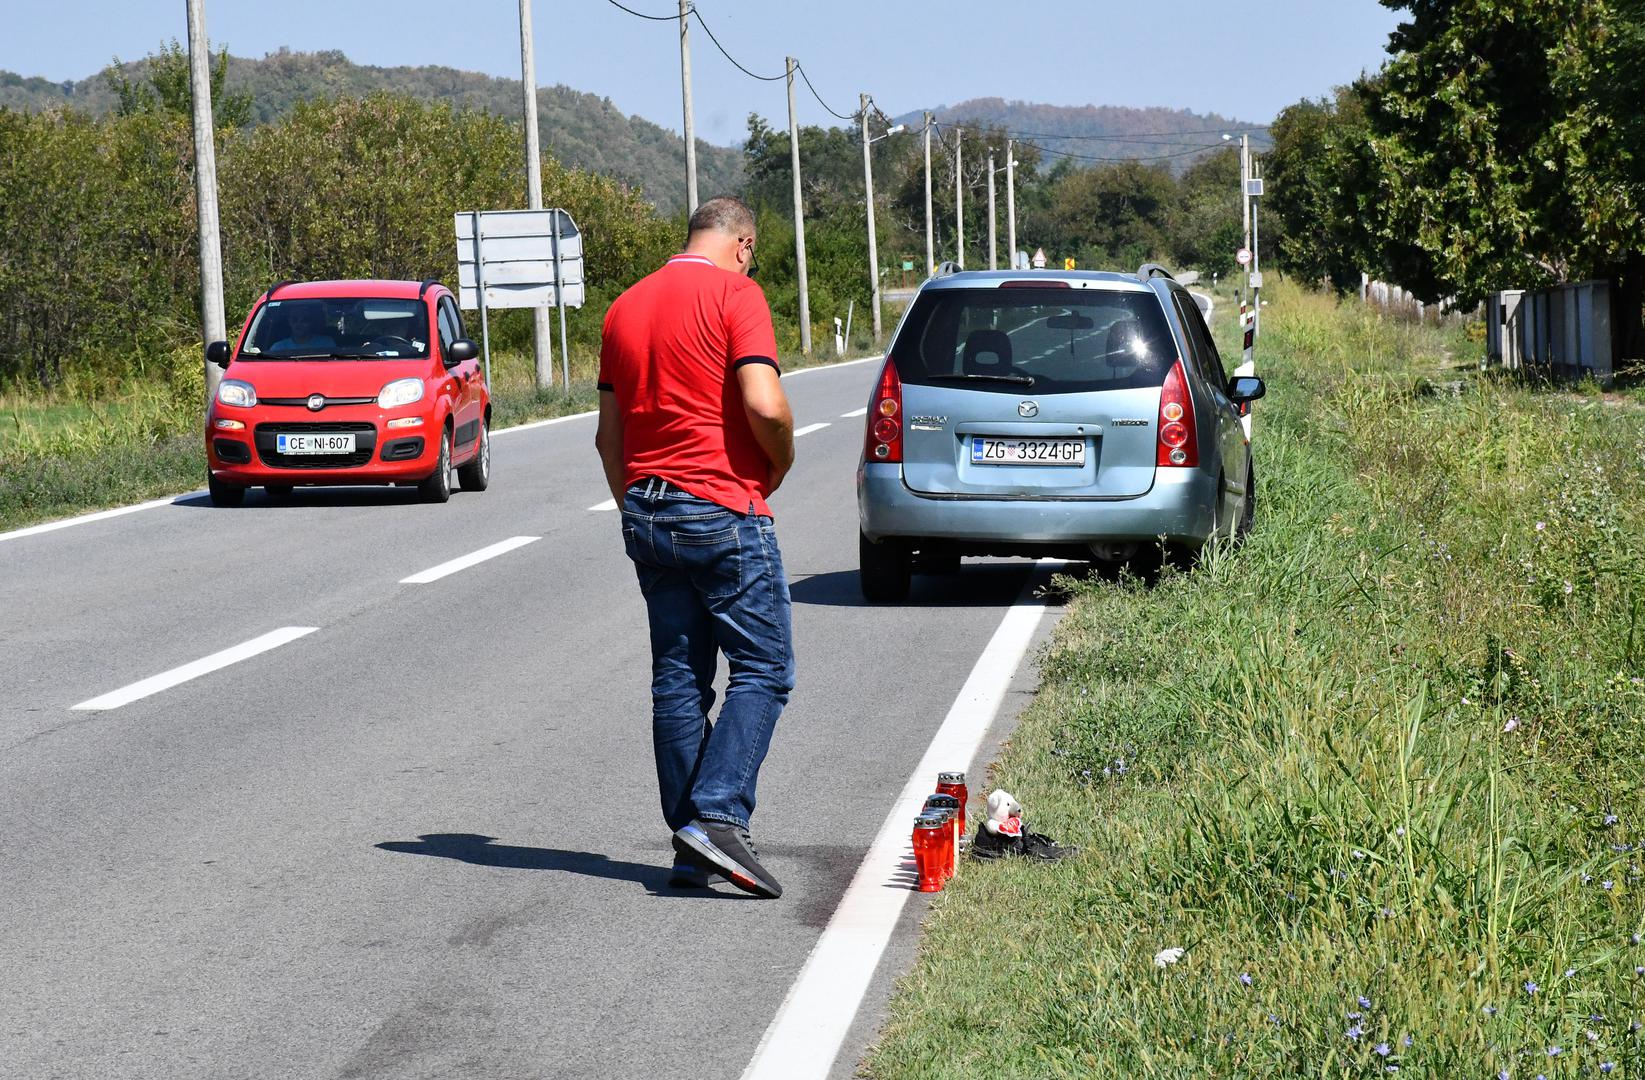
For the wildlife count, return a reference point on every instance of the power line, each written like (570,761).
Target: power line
(826,107)
(728,56)
(734,62)
(1140,134)
(1150,157)
(643,15)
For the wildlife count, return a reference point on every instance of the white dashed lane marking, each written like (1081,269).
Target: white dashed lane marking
(809,428)
(609,504)
(854,412)
(435,573)
(204,666)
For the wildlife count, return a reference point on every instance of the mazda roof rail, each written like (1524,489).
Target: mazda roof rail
(422,290)
(947,267)
(1149,270)
(276,287)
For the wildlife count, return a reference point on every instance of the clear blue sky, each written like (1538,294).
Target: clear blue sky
(1244,60)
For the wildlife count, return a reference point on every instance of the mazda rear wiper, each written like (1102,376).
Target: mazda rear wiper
(1023,380)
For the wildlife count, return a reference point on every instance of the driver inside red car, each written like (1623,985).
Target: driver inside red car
(306,325)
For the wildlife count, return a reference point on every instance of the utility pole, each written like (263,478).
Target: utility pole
(1244,184)
(685,94)
(213,323)
(993,251)
(799,214)
(542,330)
(1011,203)
(959,199)
(930,249)
(873,250)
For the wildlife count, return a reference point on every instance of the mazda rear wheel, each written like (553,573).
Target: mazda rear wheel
(883,570)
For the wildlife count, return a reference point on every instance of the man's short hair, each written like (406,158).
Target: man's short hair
(725,213)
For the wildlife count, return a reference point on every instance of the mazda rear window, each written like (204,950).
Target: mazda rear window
(1053,340)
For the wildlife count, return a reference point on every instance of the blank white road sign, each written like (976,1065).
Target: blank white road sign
(516,258)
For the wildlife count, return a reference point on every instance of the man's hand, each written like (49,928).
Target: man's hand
(769,417)
(608,440)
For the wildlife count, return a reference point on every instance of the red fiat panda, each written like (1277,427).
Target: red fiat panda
(349,382)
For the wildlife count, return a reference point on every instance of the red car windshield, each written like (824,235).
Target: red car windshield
(338,328)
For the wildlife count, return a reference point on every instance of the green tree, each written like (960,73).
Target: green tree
(163,85)
(1507,148)
(1322,189)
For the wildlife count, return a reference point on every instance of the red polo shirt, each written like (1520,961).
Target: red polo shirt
(670,351)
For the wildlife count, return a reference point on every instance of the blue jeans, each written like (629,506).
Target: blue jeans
(713,582)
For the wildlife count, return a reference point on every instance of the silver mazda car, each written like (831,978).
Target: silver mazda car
(1040,413)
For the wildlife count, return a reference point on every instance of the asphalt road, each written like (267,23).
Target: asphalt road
(422,840)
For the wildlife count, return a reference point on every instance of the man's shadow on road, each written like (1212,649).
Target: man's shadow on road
(485,851)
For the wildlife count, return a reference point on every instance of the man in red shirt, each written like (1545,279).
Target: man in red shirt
(695,434)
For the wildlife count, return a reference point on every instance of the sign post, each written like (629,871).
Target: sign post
(480,276)
(519,259)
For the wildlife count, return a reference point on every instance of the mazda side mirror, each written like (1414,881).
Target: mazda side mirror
(1245,388)
(217,353)
(460,351)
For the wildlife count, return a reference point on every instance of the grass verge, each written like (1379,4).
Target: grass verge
(1378,771)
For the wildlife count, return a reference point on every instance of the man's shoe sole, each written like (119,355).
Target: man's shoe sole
(694,845)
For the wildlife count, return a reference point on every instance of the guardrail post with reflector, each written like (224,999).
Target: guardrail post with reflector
(1248,363)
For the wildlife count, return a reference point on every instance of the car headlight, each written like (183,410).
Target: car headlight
(234,392)
(400,392)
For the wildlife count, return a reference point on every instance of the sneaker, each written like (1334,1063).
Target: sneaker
(686,876)
(726,849)
(1043,848)
(989,845)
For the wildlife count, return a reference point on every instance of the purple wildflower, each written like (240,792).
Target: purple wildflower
(1554,1051)
(1530,987)
(1407,1041)
(1245,978)
(1383,1049)
(1354,1032)
(1606,1066)
(1364,1002)
(1610,819)
(1607,884)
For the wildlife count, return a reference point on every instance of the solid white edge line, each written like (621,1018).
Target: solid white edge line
(805,1036)
(609,504)
(809,428)
(831,367)
(99,515)
(204,666)
(435,573)
(854,413)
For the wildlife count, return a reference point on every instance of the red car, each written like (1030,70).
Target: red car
(349,382)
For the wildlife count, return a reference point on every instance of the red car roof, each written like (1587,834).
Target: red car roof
(378,287)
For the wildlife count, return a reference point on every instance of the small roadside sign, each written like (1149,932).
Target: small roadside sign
(1243,257)
(1069,264)
(1039,259)
(908,264)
